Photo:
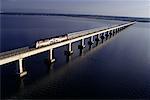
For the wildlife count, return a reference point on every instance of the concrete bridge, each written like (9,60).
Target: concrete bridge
(22,53)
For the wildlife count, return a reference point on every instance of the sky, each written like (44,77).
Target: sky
(132,8)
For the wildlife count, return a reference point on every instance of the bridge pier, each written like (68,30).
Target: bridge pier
(110,33)
(102,38)
(91,40)
(120,28)
(51,59)
(98,38)
(82,45)
(21,71)
(117,30)
(70,51)
(114,31)
(106,34)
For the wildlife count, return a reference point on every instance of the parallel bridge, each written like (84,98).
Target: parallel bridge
(22,53)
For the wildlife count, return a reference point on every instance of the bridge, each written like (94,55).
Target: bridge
(22,53)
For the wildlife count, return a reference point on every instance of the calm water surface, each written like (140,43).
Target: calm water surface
(119,68)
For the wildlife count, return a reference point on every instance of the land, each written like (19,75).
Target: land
(121,18)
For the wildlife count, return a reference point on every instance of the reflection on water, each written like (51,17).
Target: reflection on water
(118,68)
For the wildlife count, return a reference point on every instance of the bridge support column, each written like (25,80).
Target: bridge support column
(102,38)
(106,34)
(91,40)
(114,31)
(121,28)
(70,51)
(98,38)
(82,45)
(51,59)
(21,71)
(117,30)
(110,33)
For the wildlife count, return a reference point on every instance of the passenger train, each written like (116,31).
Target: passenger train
(53,40)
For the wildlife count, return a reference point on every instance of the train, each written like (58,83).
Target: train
(57,39)
(49,41)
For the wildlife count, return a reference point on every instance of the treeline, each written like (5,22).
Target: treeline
(138,19)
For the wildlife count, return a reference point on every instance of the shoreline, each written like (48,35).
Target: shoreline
(120,18)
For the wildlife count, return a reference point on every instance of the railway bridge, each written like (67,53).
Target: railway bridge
(101,34)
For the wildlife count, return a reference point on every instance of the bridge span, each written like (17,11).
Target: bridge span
(22,53)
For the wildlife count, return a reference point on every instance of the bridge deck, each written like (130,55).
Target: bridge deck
(13,52)
(13,55)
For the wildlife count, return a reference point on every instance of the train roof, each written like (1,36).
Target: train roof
(51,37)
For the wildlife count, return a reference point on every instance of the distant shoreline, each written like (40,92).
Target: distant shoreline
(121,18)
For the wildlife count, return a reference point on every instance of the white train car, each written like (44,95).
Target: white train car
(41,43)
(44,42)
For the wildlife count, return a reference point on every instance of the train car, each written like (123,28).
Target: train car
(44,42)
(53,40)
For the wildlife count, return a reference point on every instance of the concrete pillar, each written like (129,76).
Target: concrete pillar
(106,35)
(51,59)
(21,72)
(97,38)
(117,30)
(110,33)
(20,66)
(113,32)
(120,29)
(70,47)
(102,37)
(91,40)
(70,51)
(82,45)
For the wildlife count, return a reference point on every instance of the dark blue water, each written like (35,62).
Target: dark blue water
(117,69)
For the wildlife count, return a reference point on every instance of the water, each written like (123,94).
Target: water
(118,69)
